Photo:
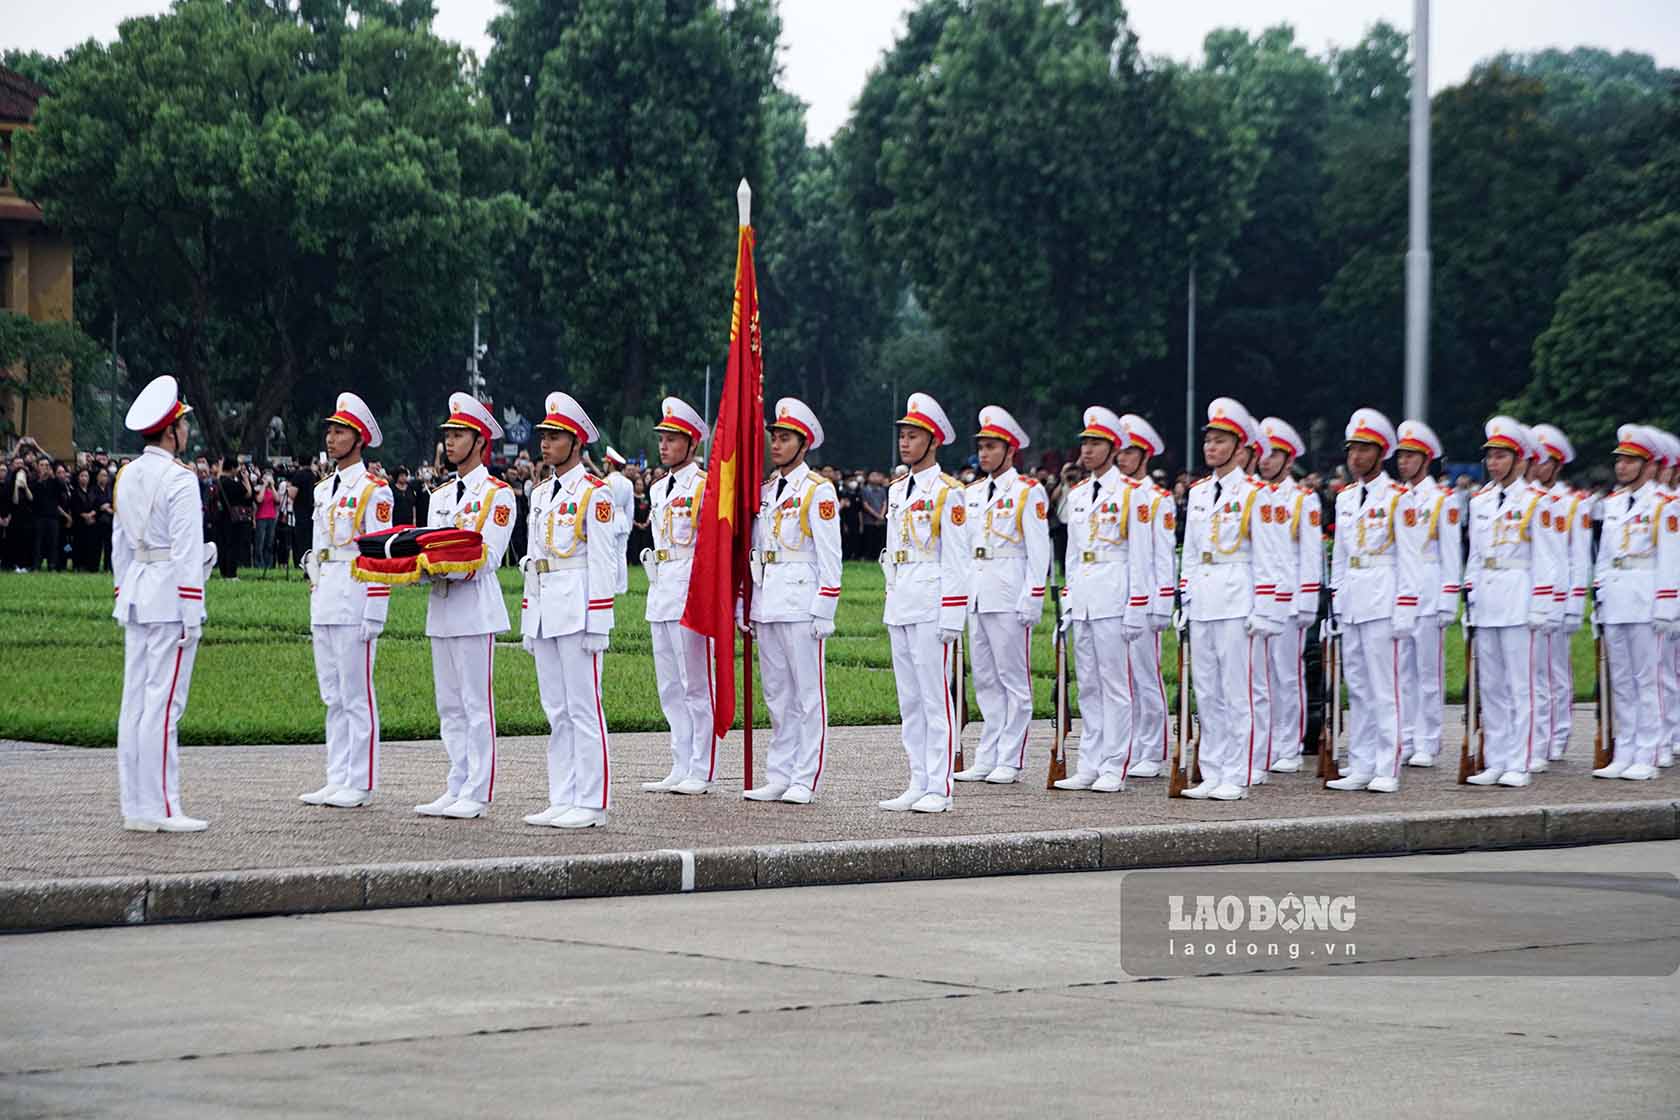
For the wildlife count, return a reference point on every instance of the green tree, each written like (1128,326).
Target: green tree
(42,360)
(288,198)
(1591,92)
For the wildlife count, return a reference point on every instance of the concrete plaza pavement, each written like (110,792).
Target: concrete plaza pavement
(972,998)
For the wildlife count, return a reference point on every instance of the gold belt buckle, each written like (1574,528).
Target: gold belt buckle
(982,553)
(1207,557)
(1088,556)
(662,555)
(902,556)
(770,556)
(1490,562)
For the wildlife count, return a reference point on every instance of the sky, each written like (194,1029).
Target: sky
(829,46)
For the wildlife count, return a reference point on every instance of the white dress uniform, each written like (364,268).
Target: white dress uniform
(682,660)
(927,562)
(1233,564)
(796,590)
(1374,589)
(1009,520)
(1636,580)
(346,616)
(1514,565)
(1668,644)
(1154,577)
(1430,537)
(623,493)
(464,613)
(158,565)
(1103,614)
(565,616)
(1285,653)
(1556,678)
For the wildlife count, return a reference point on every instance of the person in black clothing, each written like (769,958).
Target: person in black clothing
(302,491)
(239,510)
(403,491)
(84,527)
(47,512)
(101,499)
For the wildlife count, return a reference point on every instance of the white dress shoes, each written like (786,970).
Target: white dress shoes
(1614,770)
(932,803)
(349,798)
(1203,790)
(1003,776)
(1146,769)
(1485,778)
(177,823)
(763,793)
(1257,777)
(1665,758)
(1286,766)
(689,787)
(319,797)
(547,816)
(1352,781)
(436,808)
(1515,779)
(465,810)
(1108,783)
(1639,772)
(1225,791)
(1078,781)
(972,774)
(1384,785)
(580,818)
(1539,766)
(798,795)
(1422,760)
(903,802)
(668,782)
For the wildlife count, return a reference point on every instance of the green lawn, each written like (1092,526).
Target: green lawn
(255,679)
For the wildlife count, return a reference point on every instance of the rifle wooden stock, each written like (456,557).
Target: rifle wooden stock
(961,700)
(1183,759)
(1059,721)
(1604,734)
(1327,732)
(1469,752)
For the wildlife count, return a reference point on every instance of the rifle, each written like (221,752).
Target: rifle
(1186,769)
(1472,753)
(1059,720)
(961,699)
(1329,731)
(1604,737)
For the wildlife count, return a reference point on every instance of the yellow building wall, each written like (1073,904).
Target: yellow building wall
(41,285)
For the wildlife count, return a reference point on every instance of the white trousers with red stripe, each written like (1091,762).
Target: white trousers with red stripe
(569,685)
(344,673)
(682,668)
(998,649)
(1554,689)
(1668,689)
(463,670)
(1100,654)
(927,716)
(1634,667)
(1422,687)
(1150,726)
(1505,663)
(1226,667)
(790,667)
(156,675)
(1369,652)
(1286,695)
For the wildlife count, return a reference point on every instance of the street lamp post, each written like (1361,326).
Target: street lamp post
(1417,251)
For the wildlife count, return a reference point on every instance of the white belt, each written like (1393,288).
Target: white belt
(151,555)
(904,557)
(1633,563)
(1495,564)
(336,555)
(1227,558)
(662,555)
(559,564)
(1364,562)
(999,554)
(1102,555)
(784,556)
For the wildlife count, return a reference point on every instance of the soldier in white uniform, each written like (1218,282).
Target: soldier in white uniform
(926,561)
(1555,678)
(465,611)
(566,615)
(1375,605)
(158,563)
(1009,519)
(1429,534)
(682,661)
(1285,654)
(623,493)
(1154,576)
(1514,565)
(796,590)
(346,616)
(1231,571)
(1668,644)
(1635,582)
(1103,614)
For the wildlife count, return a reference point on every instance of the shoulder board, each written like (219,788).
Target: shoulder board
(442,488)
(594,480)
(498,484)
(1028,481)
(322,482)
(1086,481)
(1399,489)
(950,481)
(701,473)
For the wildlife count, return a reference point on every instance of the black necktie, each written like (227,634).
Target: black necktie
(781,484)
(910,486)
(335,484)
(1630,503)
(670,485)
(460,491)
(1217,487)
(556,486)
(1500,504)
(991,490)
(1361,497)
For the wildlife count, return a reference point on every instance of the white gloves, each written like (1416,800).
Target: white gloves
(822,628)
(1539,621)
(648,565)
(190,636)
(595,643)
(211,555)
(1668,627)
(311,565)
(1258,626)
(528,644)
(1130,632)
(372,628)
(1405,627)
(1159,622)
(1029,619)
(947,637)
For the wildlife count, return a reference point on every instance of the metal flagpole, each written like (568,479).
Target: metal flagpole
(1417,251)
(1190,377)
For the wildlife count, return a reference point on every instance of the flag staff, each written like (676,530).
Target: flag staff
(743,200)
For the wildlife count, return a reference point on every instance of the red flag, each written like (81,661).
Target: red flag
(734,475)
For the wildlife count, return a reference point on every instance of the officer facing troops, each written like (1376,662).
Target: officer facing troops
(1103,614)
(1632,597)
(158,563)
(682,662)
(1154,574)
(1556,675)
(1375,604)
(796,590)
(346,616)
(465,611)
(1231,574)
(1515,562)
(926,563)
(1285,653)
(1430,539)
(566,616)
(1009,519)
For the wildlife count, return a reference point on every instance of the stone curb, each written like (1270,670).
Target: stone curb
(198,896)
